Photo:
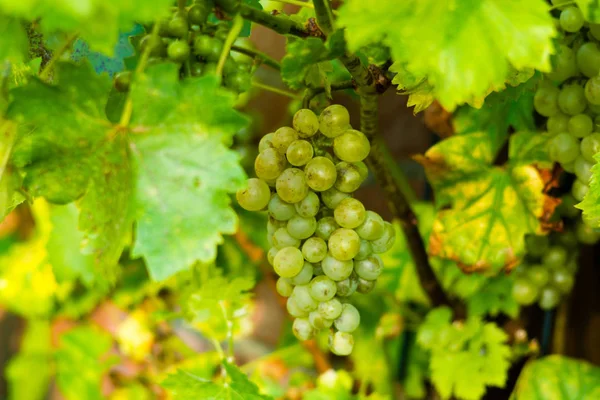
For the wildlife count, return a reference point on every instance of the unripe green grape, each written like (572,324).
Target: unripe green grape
(265,142)
(273,225)
(282,138)
(583,169)
(317,270)
(282,238)
(563,281)
(567,239)
(580,125)
(279,209)
(294,310)
(549,298)
(571,99)
(302,329)
(330,309)
(348,286)
(325,227)
(386,241)
(571,19)
(545,100)
(288,262)
(178,51)
(524,291)
(210,68)
(590,146)
(579,189)
(178,26)
(365,286)
(320,173)
(291,185)
(350,213)
(301,228)
(299,152)
(240,81)
(314,249)
(588,59)
(284,287)
(332,197)
(122,81)
(334,120)
(255,196)
(306,123)
(196,68)
(156,47)
(555,257)
(585,234)
(565,64)
(369,268)
(304,276)
(563,148)
(308,206)
(351,146)
(271,255)
(318,321)
(322,288)
(372,227)
(341,343)
(536,245)
(203,45)
(269,164)
(337,270)
(349,177)
(363,170)
(364,251)
(198,13)
(558,123)
(303,298)
(538,275)
(592,90)
(348,320)
(569,167)
(344,244)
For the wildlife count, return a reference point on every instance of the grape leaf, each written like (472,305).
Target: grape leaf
(13,40)
(557,377)
(591,202)
(494,297)
(462,48)
(590,10)
(465,357)
(420,93)
(10,181)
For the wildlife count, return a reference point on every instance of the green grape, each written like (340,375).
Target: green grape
(348,286)
(303,298)
(549,298)
(571,99)
(203,45)
(563,281)
(332,197)
(306,123)
(271,255)
(255,196)
(344,244)
(536,245)
(545,100)
(579,189)
(555,257)
(372,228)
(299,152)
(590,146)
(308,206)
(563,148)
(348,320)
(538,275)
(583,169)
(365,286)
(349,177)
(294,310)
(265,142)
(240,81)
(386,241)
(595,31)
(330,309)
(314,249)
(123,81)
(580,125)
(301,228)
(364,251)
(279,209)
(524,291)
(558,123)
(196,68)
(178,26)
(302,329)
(588,59)
(269,164)
(362,169)
(571,19)
(273,225)
(338,270)
(369,268)
(569,167)
(334,120)
(585,234)
(350,213)
(565,64)
(320,174)
(156,47)
(351,146)
(288,262)
(341,343)
(282,138)
(317,270)
(210,68)
(291,185)
(322,288)
(282,238)
(284,287)
(318,321)
(304,276)
(567,239)
(592,90)
(325,227)
(178,51)
(198,13)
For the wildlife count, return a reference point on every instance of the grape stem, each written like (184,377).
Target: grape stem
(45,73)
(314,91)
(324,15)
(280,25)
(257,55)
(275,90)
(298,3)
(236,28)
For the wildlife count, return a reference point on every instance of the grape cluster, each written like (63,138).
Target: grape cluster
(189,40)
(569,97)
(325,245)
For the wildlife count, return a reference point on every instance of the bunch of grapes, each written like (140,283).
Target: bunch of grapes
(190,41)
(325,245)
(570,98)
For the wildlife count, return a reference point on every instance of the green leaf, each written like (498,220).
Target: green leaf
(590,10)
(494,297)
(420,93)
(13,40)
(10,181)
(557,377)
(591,202)
(464,49)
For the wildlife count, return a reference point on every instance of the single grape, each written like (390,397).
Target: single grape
(369,268)
(555,257)
(563,281)
(178,51)
(592,90)
(282,138)
(365,286)
(279,209)
(271,255)
(304,300)
(588,59)
(571,19)
(569,167)
(330,309)
(579,189)
(306,123)
(299,152)
(567,239)
(282,238)
(241,81)
(365,250)
(351,146)
(536,245)
(571,99)
(583,169)
(348,286)
(255,196)
(565,64)
(372,228)
(291,185)
(301,228)
(322,288)
(156,47)
(349,177)
(308,206)
(123,81)
(284,287)
(318,321)
(198,13)
(332,197)
(294,310)
(563,148)
(320,173)
(545,100)
(558,123)
(304,276)
(590,146)
(338,270)
(302,329)
(524,291)
(288,262)
(538,275)
(341,343)
(348,320)
(196,68)
(386,241)
(265,142)
(314,249)
(334,120)
(178,26)
(325,227)
(585,234)
(269,164)
(580,125)
(350,213)
(549,298)
(344,244)
(363,170)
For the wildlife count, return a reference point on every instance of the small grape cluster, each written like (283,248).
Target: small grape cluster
(325,245)
(189,40)
(569,97)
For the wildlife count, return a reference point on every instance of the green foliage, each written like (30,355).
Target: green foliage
(591,202)
(13,40)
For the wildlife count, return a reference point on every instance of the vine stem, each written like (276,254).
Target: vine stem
(284,26)
(312,92)
(324,15)
(257,55)
(296,3)
(275,90)
(234,32)
(230,353)
(45,73)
